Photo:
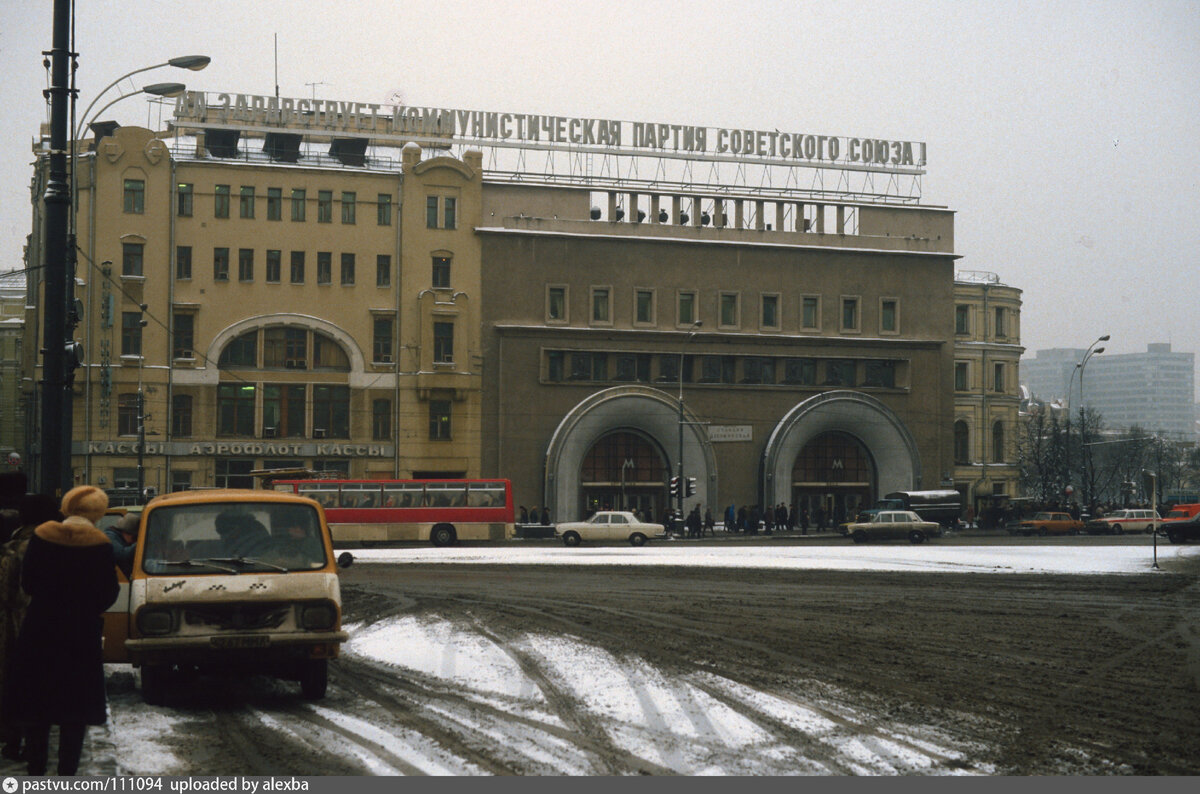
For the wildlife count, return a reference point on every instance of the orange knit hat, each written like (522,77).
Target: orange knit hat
(86,501)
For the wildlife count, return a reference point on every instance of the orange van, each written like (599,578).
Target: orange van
(229,581)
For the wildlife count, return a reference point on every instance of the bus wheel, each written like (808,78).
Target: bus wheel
(442,535)
(155,684)
(314,679)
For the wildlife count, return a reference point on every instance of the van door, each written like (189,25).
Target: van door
(116,623)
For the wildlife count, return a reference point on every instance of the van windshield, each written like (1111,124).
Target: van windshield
(233,537)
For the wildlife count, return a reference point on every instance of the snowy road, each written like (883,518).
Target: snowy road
(676,659)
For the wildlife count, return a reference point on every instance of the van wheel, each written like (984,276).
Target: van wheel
(155,683)
(916,537)
(442,535)
(314,679)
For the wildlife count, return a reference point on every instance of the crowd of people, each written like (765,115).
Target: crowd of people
(57,577)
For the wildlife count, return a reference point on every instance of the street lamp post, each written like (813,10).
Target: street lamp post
(682,482)
(1084,453)
(1091,351)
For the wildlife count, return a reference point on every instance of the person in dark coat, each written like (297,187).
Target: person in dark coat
(58,673)
(123,536)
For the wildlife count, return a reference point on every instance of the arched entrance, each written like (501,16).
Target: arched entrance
(624,471)
(833,478)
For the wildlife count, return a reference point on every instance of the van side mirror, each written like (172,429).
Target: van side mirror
(345,559)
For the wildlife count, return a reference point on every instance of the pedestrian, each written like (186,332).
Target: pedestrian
(34,510)
(545,516)
(709,522)
(730,518)
(58,674)
(819,517)
(743,519)
(533,516)
(12,489)
(123,536)
(804,520)
(524,515)
(694,522)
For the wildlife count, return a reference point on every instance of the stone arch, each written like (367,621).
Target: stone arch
(891,445)
(234,330)
(649,411)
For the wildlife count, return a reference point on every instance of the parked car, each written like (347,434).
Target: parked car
(610,525)
(1183,530)
(1181,512)
(891,524)
(1050,524)
(1119,522)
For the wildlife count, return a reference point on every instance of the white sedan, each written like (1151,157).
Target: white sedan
(609,525)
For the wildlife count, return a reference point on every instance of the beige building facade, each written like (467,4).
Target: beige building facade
(355,294)
(987,386)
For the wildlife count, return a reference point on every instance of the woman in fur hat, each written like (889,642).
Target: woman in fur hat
(58,674)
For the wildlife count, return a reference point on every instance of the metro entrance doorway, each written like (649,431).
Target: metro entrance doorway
(624,470)
(833,478)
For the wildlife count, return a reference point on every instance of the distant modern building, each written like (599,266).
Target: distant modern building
(1154,390)
(12,327)
(987,398)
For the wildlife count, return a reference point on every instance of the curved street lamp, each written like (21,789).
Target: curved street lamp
(682,482)
(192,62)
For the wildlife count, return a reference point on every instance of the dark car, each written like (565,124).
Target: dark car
(1183,531)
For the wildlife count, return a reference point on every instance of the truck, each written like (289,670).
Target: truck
(941,507)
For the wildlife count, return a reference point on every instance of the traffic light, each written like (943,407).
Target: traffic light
(674,487)
(72,359)
(691,487)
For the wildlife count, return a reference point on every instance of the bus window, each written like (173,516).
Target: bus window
(406,494)
(360,495)
(326,494)
(446,494)
(486,494)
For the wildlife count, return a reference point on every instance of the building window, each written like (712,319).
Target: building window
(381,345)
(962,443)
(998,378)
(889,316)
(431,212)
(274,266)
(184,196)
(554,365)
(245,264)
(135,196)
(383,270)
(449,210)
(324,206)
(349,207)
(381,420)
(347,270)
(758,369)
(441,272)
(235,409)
(184,325)
(960,376)
(556,304)
(246,202)
(241,352)
(633,367)
(962,319)
(283,410)
(324,267)
(643,306)
(443,343)
(234,473)
(220,264)
(880,373)
(729,310)
(285,348)
(298,201)
(131,333)
(770,312)
(810,312)
(589,366)
(439,420)
(718,369)
(331,411)
(800,372)
(601,311)
(181,480)
(998,443)
(297,267)
(183,262)
(274,203)
(999,325)
(849,314)
(685,312)
(839,372)
(127,415)
(221,201)
(383,210)
(131,259)
(181,415)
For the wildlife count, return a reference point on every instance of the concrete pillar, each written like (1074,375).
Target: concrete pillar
(841,218)
(612,206)
(820,222)
(676,209)
(739,214)
(780,216)
(760,222)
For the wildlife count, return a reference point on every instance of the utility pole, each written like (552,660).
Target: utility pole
(55,451)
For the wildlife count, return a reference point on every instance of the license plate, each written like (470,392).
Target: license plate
(249,641)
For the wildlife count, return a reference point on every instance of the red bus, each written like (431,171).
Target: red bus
(439,511)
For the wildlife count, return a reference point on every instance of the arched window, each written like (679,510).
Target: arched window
(998,443)
(962,442)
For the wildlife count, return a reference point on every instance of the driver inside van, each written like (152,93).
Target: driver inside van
(243,534)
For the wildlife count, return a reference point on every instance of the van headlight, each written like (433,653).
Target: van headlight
(155,621)
(318,617)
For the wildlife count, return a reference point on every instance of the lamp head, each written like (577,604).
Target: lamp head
(164,89)
(193,62)
(1098,351)
(1104,338)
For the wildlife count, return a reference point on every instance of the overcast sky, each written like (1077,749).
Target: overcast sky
(1065,135)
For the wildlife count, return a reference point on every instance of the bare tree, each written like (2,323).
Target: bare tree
(1041,448)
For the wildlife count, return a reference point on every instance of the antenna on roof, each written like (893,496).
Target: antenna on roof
(314,87)
(277,66)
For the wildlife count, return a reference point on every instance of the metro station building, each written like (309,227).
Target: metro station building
(586,307)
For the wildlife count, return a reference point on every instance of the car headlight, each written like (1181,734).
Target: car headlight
(155,621)
(318,617)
